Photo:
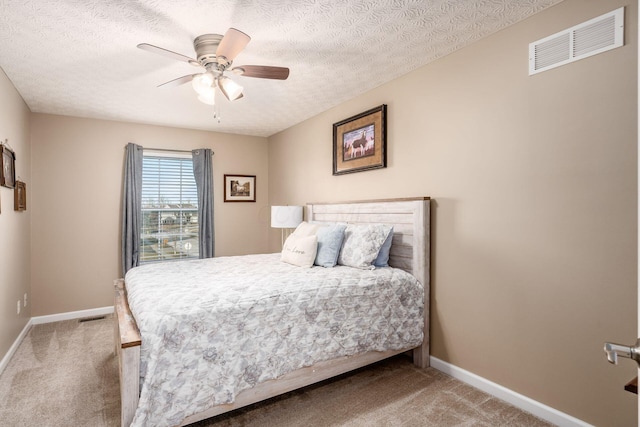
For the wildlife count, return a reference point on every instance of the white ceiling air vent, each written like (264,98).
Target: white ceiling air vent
(598,35)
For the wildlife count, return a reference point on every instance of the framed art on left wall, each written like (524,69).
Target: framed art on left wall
(7,167)
(20,196)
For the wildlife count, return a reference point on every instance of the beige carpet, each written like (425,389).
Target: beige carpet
(64,374)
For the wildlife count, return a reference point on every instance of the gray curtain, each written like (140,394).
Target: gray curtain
(131,207)
(203,173)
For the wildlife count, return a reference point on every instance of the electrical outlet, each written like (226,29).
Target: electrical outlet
(18,306)
(25,300)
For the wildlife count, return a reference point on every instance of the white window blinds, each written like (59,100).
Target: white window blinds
(169,209)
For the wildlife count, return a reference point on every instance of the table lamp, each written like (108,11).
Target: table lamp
(285,217)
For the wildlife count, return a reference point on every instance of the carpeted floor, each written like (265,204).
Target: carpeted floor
(65,374)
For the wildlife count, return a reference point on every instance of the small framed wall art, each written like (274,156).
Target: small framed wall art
(239,188)
(20,196)
(360,142)
(7,167)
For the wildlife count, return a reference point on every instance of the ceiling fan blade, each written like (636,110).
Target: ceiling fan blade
(168,53)
(179,81)
(262,71)
(232,44)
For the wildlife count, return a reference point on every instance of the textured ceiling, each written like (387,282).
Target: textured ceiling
(79,57)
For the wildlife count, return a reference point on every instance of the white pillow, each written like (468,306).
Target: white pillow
(306,229)
(300,251)
(362,244)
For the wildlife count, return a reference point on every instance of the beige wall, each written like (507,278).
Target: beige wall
(15,231)
(76,193)
(534,211)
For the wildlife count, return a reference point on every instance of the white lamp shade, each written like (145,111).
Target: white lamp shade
(202,83)
(208,97)
(231,89)
(286,216)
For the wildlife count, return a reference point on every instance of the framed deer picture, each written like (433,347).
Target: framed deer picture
(360,142)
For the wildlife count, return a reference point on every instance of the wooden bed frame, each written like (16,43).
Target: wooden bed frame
(410,251)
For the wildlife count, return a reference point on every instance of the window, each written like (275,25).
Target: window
(169,209)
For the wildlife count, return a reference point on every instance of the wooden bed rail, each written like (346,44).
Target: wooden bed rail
(128,343)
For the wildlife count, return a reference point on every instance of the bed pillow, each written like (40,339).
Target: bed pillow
(382,260)
(362,244)
(300,251)
(306,229)
(329,243)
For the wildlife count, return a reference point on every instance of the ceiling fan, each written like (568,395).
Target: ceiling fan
(215,54)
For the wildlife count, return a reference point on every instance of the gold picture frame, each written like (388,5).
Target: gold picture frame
(7,167)
(239,188)
(360,142)
(20,196)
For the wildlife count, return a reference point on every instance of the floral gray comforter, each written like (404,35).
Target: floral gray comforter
(212,328)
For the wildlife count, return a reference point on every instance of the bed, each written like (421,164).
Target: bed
(410,252)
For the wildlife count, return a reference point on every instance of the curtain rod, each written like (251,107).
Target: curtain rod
(167,149)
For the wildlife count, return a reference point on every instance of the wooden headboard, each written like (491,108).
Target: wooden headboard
(410,250)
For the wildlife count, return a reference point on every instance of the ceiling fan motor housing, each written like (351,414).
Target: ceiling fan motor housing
(206,46)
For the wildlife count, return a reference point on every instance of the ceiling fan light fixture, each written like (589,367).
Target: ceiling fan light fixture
(202,83)
(229,88)
(208,97)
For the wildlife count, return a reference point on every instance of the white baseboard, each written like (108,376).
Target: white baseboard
(7,357)
(518,400)
(71,315)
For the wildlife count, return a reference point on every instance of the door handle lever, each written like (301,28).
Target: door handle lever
(614,351)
